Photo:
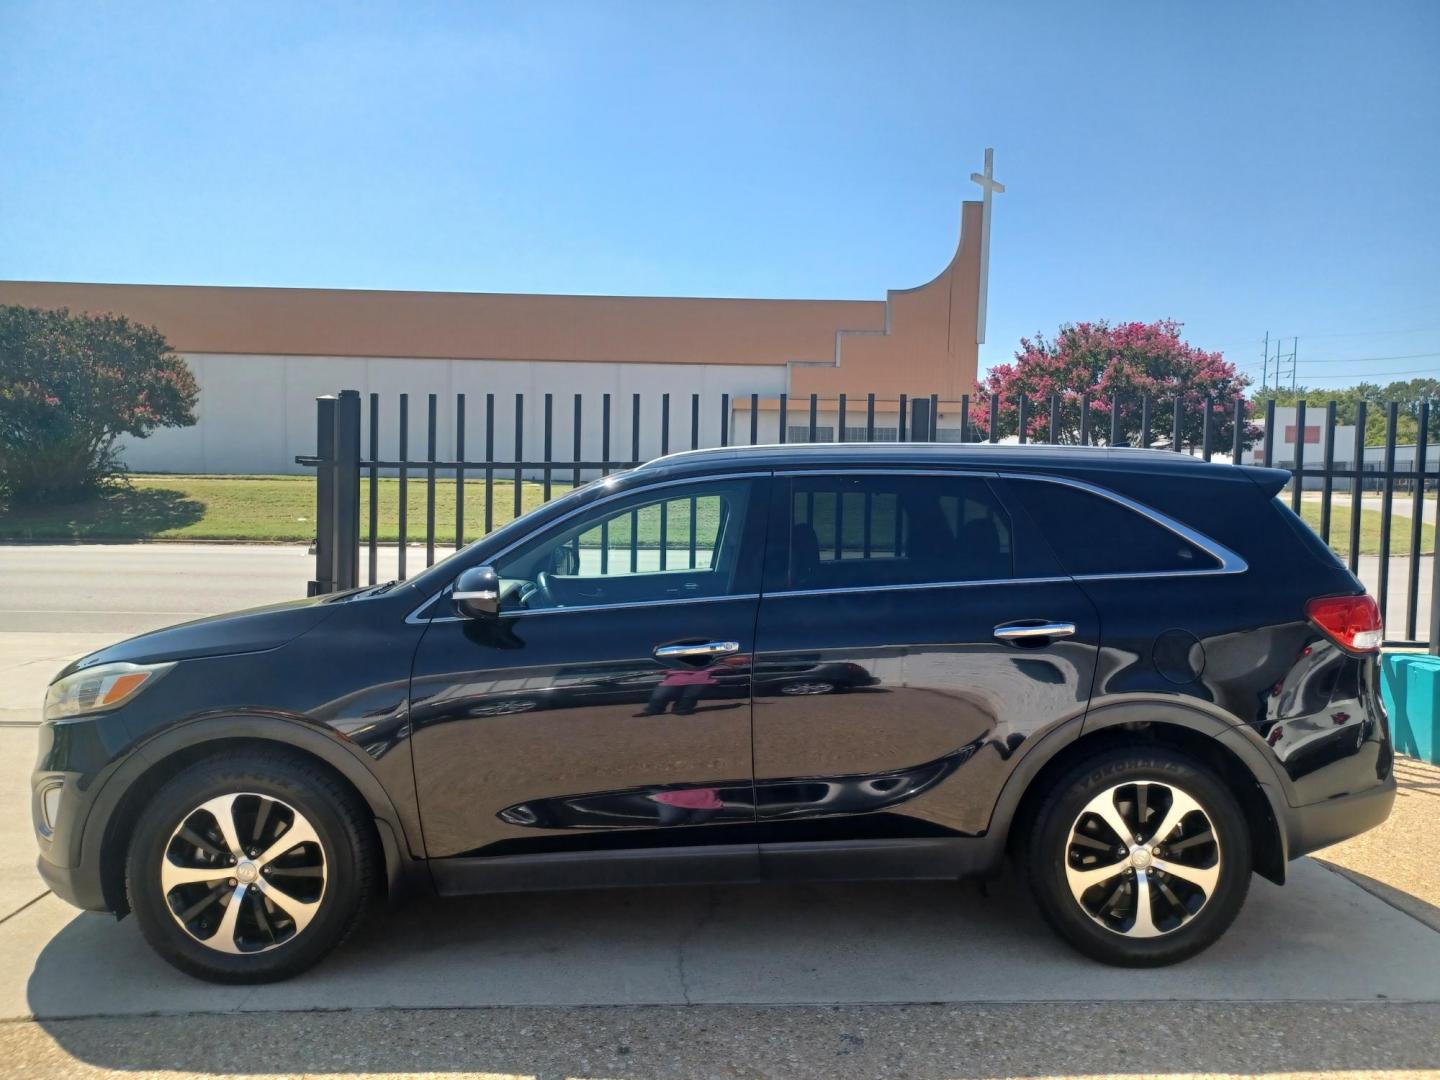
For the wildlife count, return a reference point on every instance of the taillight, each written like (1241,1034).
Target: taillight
(1352,622)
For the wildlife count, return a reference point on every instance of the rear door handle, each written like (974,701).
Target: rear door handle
(709,648)
(1019,631)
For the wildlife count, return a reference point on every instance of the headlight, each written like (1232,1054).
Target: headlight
(99,689)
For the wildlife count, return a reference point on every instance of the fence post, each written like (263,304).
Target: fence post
(324,581)
(347,491)
(1435,595)
(920,419)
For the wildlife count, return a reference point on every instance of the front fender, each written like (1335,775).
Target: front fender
(118,798)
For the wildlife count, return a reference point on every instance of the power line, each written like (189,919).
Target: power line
(1250,365)
(1376,374)
(1375,333)
(1368,359)
(1252,342)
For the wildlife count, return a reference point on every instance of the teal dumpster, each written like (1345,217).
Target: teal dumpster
(1410,685)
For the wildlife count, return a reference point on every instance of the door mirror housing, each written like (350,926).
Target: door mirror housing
(477,593)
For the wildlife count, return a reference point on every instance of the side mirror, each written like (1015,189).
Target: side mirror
(477,593)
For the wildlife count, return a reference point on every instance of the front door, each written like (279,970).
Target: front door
(911,639)
(608,705)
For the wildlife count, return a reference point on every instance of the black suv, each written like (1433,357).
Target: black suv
(1139,673)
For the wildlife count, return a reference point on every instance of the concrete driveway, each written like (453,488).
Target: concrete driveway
(753,945)
(926,980)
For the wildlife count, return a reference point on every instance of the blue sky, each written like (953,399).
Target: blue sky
(1240,167)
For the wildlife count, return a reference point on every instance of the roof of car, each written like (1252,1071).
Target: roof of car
(1011,456)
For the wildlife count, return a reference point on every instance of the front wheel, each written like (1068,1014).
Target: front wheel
(1139,857)
(250,869)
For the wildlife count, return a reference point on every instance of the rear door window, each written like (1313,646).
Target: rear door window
(855,532)
(1094,534)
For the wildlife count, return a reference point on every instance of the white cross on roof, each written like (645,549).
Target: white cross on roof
(988,184)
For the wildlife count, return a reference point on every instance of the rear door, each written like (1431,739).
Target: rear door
(911,641)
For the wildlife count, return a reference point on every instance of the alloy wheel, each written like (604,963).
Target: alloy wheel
(243,873)
(1142,858)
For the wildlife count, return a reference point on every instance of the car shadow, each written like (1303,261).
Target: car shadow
(876,951)
(1414,906)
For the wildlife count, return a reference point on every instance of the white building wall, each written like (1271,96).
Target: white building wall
(1284,451)
(256,413)
(1284,446)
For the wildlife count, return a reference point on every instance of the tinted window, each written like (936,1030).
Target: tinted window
(682,544)
(1095,535)
(859,531)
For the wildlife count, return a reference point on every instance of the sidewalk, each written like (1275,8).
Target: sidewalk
(1397,861)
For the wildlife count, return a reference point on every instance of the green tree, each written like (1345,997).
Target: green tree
(70,385)
(1117,367)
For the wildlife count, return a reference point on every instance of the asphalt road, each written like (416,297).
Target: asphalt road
(914,1042)
(124,589)
(61,601)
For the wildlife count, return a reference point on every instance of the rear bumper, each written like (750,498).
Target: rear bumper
(1318,825)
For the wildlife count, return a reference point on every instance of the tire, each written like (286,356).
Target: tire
(303,902)
(1073,846)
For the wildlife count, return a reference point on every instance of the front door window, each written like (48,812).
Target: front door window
(681,544)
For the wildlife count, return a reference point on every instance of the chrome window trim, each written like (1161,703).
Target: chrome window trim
(1230,562)
(851,590)
(581,607)
(704,478)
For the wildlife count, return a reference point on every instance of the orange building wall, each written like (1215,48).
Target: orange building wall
(930,347)
(917,341)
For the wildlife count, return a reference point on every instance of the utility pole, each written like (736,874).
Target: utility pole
(1282,357)
(1265,363)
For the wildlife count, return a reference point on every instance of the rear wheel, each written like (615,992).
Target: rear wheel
(251,868)
(1139,857)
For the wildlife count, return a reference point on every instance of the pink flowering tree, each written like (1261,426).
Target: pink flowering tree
(1117,367)
(70,385)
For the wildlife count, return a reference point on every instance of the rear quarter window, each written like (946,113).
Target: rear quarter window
(1093,534)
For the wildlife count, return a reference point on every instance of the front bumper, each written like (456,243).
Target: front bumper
(77,885)
(76,758)
(67,865)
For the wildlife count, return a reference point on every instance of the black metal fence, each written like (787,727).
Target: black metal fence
(350,465)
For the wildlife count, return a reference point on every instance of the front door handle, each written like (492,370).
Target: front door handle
(1020,631)
(709,648)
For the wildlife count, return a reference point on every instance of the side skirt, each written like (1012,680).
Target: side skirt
(843,860)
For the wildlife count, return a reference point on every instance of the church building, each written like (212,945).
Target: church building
(262,355)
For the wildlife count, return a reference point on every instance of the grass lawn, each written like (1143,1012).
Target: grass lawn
(1400,522)
(255,508)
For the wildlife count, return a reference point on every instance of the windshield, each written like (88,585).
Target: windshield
(439,575)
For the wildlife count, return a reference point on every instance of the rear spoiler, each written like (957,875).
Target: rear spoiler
(1270,481)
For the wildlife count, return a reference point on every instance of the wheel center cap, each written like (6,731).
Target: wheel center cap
(1140,858)
(246,872)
